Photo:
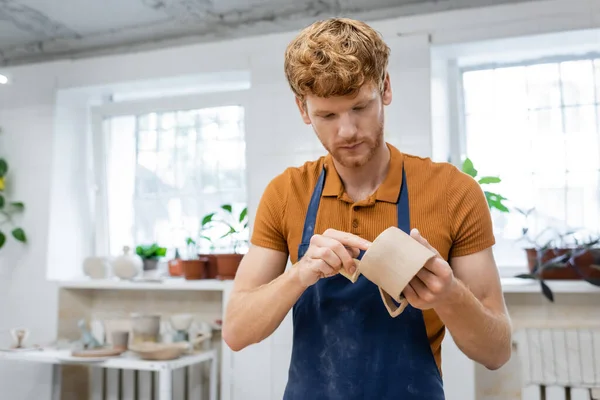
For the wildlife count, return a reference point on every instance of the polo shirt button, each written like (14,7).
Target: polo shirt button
(355,223)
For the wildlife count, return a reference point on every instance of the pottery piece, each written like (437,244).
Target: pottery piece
(120,340)
(19,335)
(101,352)
(181,324)
(96,267)
(145,328)
(87,338)
(128,265)
(159,351)
(392,260)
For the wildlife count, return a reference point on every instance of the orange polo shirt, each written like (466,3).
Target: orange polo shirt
(446,205)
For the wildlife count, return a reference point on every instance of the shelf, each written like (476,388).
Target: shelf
(165,284)
(518,285)
(125,361)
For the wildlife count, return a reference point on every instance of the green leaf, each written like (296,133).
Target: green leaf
(489,179)
(495,201)
(19,234)
(231,231)
(227,207)
(208,218)
(243,214)
(1,201)
(468,168)
(547,291)
(17,205)
(3,167)
(2,239)
(525,276)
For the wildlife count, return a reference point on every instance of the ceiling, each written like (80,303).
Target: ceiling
(40,30)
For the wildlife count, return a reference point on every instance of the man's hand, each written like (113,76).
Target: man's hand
(327,254)
(433,283)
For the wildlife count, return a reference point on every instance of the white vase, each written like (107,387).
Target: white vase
(96,267)
(127,265)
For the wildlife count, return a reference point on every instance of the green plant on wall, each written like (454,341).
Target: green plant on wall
(494,200)
(8,209)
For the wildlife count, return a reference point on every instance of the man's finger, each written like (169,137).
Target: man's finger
(348,239)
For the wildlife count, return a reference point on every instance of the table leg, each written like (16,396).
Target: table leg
(213,378)
(165,384)
(56,381)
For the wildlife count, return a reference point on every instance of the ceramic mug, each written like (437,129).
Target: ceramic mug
(392,260)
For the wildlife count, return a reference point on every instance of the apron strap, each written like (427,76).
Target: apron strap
(313,207)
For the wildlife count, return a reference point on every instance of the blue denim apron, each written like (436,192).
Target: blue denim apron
(346,346)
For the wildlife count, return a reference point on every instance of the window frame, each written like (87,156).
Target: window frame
(99,146)
(458,133)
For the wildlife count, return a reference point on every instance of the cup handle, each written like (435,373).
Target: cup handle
(393,310)
(352,277)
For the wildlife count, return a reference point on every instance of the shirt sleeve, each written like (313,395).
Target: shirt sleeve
(268,228)
(470,217)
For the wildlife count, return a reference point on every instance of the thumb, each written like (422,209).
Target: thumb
(415,234)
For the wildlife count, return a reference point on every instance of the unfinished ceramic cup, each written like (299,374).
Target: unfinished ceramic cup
(392,260)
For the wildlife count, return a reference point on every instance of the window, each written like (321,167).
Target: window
(537,126)
(166,168)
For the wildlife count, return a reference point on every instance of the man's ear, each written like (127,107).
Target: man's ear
(387,90)
(303,112)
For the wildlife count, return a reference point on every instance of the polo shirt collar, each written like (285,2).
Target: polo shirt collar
(388,191)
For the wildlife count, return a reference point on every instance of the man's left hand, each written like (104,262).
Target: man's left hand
(434,283)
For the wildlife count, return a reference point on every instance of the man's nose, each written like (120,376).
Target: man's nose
(347,127)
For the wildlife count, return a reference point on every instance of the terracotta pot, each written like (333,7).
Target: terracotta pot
(194,269)
(583,260)
(211,265)
(175,268)
(227,265)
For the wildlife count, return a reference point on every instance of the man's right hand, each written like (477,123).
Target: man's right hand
(327,254)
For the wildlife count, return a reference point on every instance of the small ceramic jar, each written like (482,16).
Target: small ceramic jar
(127,265)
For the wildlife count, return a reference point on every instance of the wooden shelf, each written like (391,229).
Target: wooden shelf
(164,284)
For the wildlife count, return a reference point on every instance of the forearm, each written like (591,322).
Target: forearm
(253,315)
(482,335)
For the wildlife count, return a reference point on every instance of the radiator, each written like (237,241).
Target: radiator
(559,363)
(109,384)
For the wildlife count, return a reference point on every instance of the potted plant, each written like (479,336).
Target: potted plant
(150,255)
(494,200)
(8,210)
(193,266)
(569,256)
(224,261)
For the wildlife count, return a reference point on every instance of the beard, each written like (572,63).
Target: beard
(359,157)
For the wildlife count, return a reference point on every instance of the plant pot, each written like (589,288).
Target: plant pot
(150,264)
(194,269)
(175,268)
(227,265)
(580,264)
(211,265)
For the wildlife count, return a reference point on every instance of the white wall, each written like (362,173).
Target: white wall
(28,112)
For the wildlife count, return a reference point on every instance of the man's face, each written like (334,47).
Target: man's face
(349,127)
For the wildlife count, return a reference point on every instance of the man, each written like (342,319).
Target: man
(327,212)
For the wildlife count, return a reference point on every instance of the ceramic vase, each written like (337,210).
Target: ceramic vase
(127,265)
